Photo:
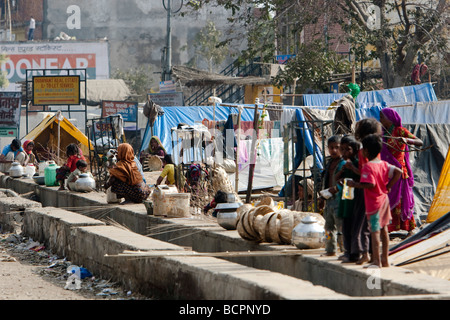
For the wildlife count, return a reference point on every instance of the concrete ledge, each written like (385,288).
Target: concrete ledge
(207,236)
(52,227)
(91,243)
(12,212)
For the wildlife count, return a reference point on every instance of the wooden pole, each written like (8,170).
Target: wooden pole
(236,183)
(353,74)
(252,154)
(293,96)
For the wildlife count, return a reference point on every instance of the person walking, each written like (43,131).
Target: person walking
(31,29)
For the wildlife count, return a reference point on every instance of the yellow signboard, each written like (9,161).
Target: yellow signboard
(56,90)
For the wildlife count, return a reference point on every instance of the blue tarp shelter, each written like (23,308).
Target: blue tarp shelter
(190,116)
(395,96)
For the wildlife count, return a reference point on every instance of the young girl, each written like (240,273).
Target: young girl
(28,149)
(349,150)
(74,154)
(377,178)
(168,171)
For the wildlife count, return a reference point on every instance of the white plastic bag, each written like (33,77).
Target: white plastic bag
(111,197)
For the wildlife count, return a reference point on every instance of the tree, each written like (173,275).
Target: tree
(313,65)
(3,80)
(208,45)
(397,30)
(138,80)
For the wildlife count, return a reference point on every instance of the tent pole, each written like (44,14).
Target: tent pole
(236,184)
(252,154)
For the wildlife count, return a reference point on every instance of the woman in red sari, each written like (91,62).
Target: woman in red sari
(395,151)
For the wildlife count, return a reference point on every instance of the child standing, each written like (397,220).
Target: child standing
(377,178)
(333,224)
(349,150)
(361,232)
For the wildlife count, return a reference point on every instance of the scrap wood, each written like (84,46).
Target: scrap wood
(421,248)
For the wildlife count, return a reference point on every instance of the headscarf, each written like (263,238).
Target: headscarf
(402,190)
(25,145)
(126,169)
(158,149)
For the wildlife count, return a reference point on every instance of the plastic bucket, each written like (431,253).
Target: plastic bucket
(174,205)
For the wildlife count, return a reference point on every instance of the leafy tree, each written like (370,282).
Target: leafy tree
(137,79)
(312,67)
(3,80)
(207,44)
(395,31)
(398,30)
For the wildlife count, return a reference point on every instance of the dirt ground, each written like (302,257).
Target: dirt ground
(29,272)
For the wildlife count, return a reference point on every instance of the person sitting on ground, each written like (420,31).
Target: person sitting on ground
(299,203)
(155,148)
(168,171)
(125,179)
(28,147)
(74,154)
(82,167)
(12,152)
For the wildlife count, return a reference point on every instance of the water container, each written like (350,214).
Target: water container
(30,170)
(50,174)
(42,166)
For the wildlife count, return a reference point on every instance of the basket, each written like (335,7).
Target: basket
(153,163)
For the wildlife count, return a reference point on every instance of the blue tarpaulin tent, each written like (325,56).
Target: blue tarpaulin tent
(395,96)
(190,116)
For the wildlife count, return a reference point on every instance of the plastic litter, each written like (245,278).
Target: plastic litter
(73,282)
(79,271)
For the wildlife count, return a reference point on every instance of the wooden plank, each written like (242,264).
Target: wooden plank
(421,248)
(156,254)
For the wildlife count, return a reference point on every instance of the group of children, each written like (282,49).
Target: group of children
(358,224)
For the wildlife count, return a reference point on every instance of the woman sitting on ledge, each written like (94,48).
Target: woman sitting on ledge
(126,181)
(12,152)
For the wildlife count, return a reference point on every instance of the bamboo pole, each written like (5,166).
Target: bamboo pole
(236,183)
(252,154)
(176,253)
(353,74)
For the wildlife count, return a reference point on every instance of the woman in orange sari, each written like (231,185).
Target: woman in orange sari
(126,181)
(396,151)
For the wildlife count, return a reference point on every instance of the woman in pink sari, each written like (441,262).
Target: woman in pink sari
(396,152)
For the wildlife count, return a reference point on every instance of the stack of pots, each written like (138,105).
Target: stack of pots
(263,223)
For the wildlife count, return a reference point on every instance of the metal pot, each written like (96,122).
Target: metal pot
(308,234)
(227,216)
(85,183)
(16,170)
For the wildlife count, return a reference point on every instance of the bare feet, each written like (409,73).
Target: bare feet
(384,263)
(364,258)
